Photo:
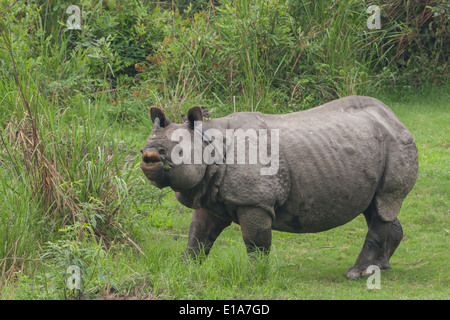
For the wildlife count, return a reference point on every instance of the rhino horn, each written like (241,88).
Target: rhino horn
(156,125)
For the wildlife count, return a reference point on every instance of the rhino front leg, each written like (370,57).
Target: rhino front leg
(204,229)
(256,226)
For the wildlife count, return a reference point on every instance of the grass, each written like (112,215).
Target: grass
(146,262)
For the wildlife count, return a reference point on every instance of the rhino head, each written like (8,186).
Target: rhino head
(157,163)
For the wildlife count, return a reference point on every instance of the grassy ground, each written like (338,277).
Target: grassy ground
(145,263)
(309,266)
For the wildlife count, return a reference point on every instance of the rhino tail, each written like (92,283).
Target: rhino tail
(388,205)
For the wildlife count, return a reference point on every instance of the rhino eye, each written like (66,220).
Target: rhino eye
(162,152)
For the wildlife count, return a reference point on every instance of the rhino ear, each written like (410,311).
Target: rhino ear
(205,113)
(156,112)
(194,114)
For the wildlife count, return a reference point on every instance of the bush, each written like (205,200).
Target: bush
(278,55)
(77,252)
(60,166)
(290,55)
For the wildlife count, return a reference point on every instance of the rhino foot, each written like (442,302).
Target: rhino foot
(356,272)
(381,241)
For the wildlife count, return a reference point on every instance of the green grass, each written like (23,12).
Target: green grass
(143,260)
(307,266)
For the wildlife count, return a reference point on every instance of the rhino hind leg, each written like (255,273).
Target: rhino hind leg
(381,241)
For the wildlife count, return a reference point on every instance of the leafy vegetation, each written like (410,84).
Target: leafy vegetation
(73,116)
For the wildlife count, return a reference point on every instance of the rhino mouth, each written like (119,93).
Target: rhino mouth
(150,157)
(155,168)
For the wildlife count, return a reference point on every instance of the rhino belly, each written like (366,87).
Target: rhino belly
(335,171)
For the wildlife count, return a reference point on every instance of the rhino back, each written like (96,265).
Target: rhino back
(336,154)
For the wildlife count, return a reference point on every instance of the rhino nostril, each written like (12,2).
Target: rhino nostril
(150,157)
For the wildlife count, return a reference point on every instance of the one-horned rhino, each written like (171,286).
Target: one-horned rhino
(326,166)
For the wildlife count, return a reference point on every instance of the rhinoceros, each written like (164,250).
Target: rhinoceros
(327,165)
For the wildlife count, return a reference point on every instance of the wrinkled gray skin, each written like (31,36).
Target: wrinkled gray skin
(338,160)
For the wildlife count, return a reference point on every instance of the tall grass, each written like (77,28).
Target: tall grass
(254,59)
(58,167)
(277,56)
